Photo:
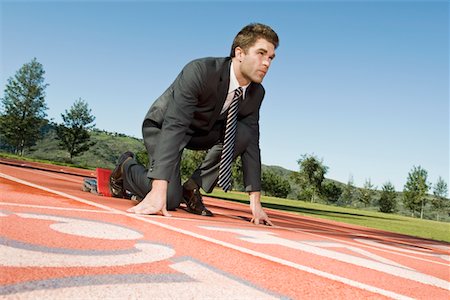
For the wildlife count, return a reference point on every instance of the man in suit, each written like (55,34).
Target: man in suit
(192,114)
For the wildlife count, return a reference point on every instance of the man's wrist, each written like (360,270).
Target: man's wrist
(159,184)
(255,197)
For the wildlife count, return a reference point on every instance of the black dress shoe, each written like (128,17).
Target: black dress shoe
(194,202)
(116,179)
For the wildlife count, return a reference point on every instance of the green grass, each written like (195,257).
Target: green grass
(434,230)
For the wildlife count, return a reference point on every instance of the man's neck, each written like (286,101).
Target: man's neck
(236,68)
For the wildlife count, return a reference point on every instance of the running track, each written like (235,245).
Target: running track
(60,242)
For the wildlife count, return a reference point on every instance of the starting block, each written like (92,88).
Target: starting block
(103,181)
(99,185)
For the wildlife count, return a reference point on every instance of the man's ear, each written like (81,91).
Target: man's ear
(239,53)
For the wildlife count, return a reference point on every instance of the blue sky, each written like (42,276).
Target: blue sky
(363,85)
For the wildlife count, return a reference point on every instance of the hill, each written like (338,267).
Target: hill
(104,153)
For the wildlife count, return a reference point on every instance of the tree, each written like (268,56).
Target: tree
(367,193)
(440,202)
(142,157)
(274,185)
(311,175)
(24,107)
(190,161)
(237,178)
(331,191)
(348,193)
(415,190)
(73,133)
(388,198)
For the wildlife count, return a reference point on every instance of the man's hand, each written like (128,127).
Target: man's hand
(155,201)
(259,215)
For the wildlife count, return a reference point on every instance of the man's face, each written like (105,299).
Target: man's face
(255,63)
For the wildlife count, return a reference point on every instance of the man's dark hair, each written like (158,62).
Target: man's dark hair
(248,36)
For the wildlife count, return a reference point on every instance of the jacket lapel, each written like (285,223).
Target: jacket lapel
(222,91)
(247,106)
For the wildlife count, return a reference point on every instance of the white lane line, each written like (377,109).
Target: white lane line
(281,261)
(56,208)
(370,247)
(62,194)
(65,177)
(92,211)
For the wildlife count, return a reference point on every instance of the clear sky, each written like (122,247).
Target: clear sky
(363,85)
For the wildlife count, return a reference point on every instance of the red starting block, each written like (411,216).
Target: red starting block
(103,181)
(100,185)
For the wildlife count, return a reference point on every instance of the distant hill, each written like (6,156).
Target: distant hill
(104,153)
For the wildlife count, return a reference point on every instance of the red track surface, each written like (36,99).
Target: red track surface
(59,242)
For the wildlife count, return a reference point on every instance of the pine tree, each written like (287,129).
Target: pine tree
(367,193)
(73,133)
(440,202)
(388,198)
(23,112)
(415,190)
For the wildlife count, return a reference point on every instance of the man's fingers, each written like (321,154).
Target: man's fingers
(136,209)
(256,221)
(132,209)
(268,222)
(148,210)
(165,212)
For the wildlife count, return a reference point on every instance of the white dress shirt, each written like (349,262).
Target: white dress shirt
(234,84)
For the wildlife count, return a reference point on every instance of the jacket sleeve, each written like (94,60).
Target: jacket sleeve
(251,157)
(178,117)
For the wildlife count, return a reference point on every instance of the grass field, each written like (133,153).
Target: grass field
(434,230)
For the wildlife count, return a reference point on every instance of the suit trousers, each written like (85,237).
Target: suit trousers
(206,175)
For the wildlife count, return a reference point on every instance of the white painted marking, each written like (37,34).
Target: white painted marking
(147,219)
(202,283)
(442,247)
(15,257)
(62,194)
(360,251)
(216,285)
(66,177)
(376,244)
(57,208)
(86,228)
(398,253)
(264,237)
(394,250)
(445,257)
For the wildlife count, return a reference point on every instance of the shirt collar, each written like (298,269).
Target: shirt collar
(234,84)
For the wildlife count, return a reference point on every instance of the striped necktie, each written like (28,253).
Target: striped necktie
(228,142)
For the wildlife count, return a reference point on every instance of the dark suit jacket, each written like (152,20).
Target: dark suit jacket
(191,106)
